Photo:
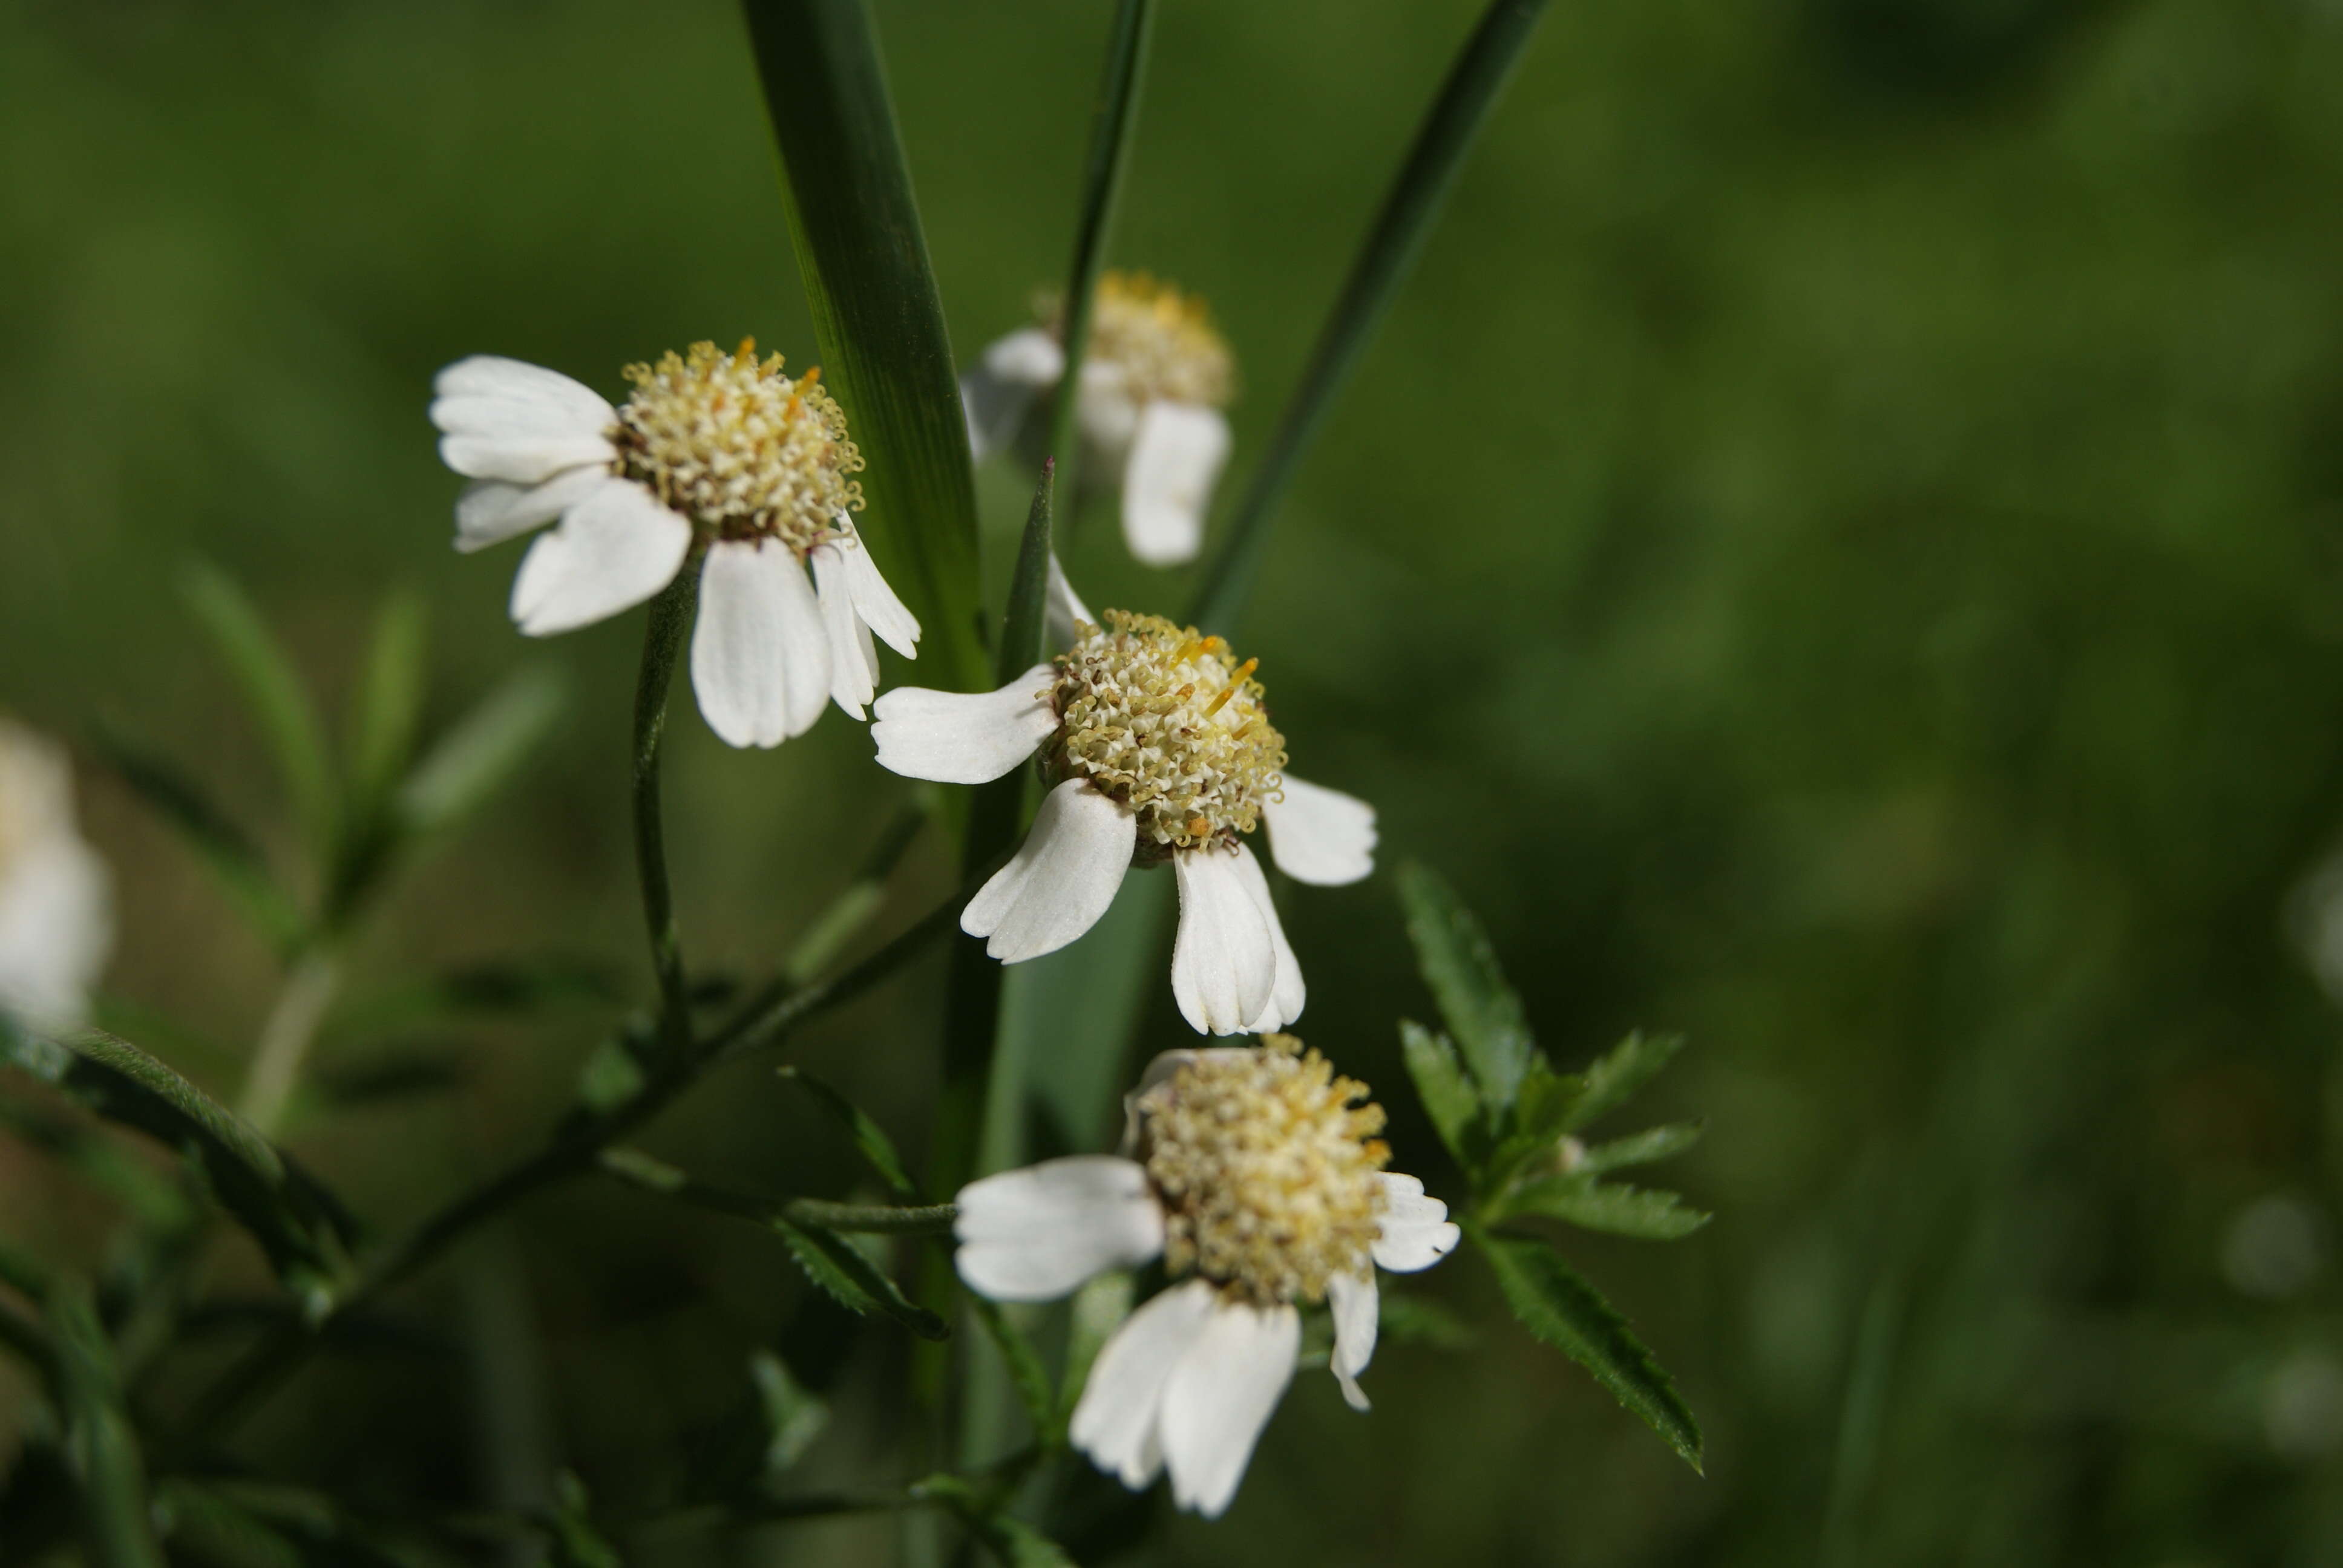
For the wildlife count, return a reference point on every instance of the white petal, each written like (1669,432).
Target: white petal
(56,927)
(612,550)
(1221,1396)
(998,394)
(1118,1420)
(1167,485)
(1320,836)
(1035,1234)
(1030,357)
(1106,413)
(518,381)
(853,662)
(502,419)
(1066,609)
(1416,1230)
(962,736)
(1224,959)
(1061,879)
(1287,994)
(491,511)
(874,601)
(760,656)
(1356,1308)
(521,459)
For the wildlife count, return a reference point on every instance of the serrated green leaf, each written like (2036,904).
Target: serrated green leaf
(1441,1084)
(870,1141)
(852,1280)
(229,854)
(1617,1074)
(272,688)
(297,1224)
(388,701)
(1615,1208)
(475,755)
(878,321)
(1483,1012)
(1562,1310)
(1645,1148)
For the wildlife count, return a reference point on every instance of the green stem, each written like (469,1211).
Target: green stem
(638,1169)
(287,1036)
(1413,201)
(663,636)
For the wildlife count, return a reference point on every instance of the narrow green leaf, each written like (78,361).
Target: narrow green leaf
(1618,1073)
(1482,1010)
(1615,1208)
(870,1141)
(570,1528)
(481,750)
(1011,1541)
(99,1445)
(206,1528)
(155,1203)
(1639,1149)
(878,321)
(793,1414)
(1390,248)
(1441,1084)
(231,856)
(853,1281)
(388,702)
(1026,1374)
(272,689)
(1026,618)
(297,1224)
(1562,1310)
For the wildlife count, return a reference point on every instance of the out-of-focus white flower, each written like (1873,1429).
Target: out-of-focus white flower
(1155,376)
(56,907)
(1257,1175)
(711,452)
(1162,752)
(2275,1247)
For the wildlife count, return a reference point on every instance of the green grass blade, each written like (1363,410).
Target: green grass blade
(1415,199)
(878,321)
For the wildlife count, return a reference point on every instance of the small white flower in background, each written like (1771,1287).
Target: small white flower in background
(711,449)
(1161,751)
(1155,377)
(56,912)
(1257,1175)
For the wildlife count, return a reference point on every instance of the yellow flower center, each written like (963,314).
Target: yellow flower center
(1160,342)
(741,448)
(1265,1165)
(1162,719)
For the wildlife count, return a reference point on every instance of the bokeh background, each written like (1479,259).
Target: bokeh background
(1838,551)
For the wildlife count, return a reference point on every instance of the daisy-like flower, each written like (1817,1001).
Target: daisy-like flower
(713,454)
(1161,749)
(56,914)
(1155,376)
(1257,1176)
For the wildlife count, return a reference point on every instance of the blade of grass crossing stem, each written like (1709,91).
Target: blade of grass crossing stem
(1440,142)
(1116,111)
(878,321)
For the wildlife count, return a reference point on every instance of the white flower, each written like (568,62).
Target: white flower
(1155,377)
(1257,1176)
(1163,751)
(713,453)
(56,913)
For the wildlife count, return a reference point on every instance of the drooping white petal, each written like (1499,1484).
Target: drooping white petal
(612,550)
(523,457)
(1220,1397)
(759,654)
(56,927)
(491,511)
(1357,1310)
(1035,1234)
(960,737)
(492,376)
(853,662)
(1106,412)
(1061,879)
(1224,959)
(1067,611)
(1416,1230)
(1320,836)
(1288,993)
(997,394)
(1117,1420)
(874,601)
(1167,485)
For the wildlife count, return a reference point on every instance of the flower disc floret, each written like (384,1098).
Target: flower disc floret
(1265,1163)
(732,442)
(1162,342)
(1160,719)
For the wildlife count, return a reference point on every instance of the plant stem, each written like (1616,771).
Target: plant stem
(663,635)
(1440,142)
(285,1039)
(653,1175)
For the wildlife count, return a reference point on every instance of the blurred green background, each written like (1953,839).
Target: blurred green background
(1838,551)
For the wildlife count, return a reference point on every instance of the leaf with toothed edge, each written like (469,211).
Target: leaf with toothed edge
(870,1141)
(852,1280)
